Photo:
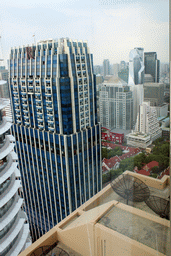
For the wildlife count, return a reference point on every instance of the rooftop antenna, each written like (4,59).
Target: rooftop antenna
(130,188)
(160,206)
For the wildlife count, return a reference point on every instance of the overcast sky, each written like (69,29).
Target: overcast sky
(112,27)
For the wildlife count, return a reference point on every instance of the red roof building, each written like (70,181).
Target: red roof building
(146,170)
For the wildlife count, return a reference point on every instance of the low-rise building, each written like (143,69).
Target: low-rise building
(146,169)
(112,136)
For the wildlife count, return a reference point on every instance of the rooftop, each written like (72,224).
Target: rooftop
(137,228)
(113,80)
(106,223)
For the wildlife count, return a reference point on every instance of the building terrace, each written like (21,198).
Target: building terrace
(105,225)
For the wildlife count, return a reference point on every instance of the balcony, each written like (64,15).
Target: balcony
(26,117)
(79,73)
(25,105)
(38,106)
(78,67)
(18,114)
(80,82)
(25,110)
(41,126)
(15,92)
(30,79)
(49,113)
(49,105)
(16,96)
(40,117)
(38,99)
(13,234)
(83,67)
(27,123)
(9,217)
(30,90)
(12,191)
(77,59)
(23,92)
(81,95)
(48,92)
(83,59)
(7,168)
(15,86)
(16,103)
(50,128)
(4,126)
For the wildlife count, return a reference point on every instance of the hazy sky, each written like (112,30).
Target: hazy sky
(112,27)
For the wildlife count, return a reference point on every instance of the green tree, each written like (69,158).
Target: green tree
(104,153)
(154,175)
(155,169)
(127,164)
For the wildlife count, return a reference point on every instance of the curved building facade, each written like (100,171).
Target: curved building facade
(136,66)
(14,229)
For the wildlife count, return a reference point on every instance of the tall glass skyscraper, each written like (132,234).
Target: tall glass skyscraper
(136,66)
(152,65)
(58,142)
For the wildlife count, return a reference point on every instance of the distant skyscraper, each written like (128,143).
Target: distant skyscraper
(14,231)
(122,64)
(154,92)
(124,74)
(116,105)
(106,68)
(152,65)
(58,138)
(136,66)
(115,69)
(98,70)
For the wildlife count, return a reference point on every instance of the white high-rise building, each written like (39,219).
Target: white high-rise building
(147,121)
(14,230)
(138,98)
(116,105)
(147,128)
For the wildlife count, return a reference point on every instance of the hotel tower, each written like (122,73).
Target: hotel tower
(58,141)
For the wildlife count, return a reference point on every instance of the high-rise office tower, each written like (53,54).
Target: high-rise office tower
(136,66)
(115,69)
(106,68)
(14,231)
(116,105)
(152,65)
(53,94)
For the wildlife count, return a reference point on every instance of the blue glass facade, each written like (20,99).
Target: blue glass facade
(58,142)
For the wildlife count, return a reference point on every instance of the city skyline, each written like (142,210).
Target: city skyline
(112,28)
